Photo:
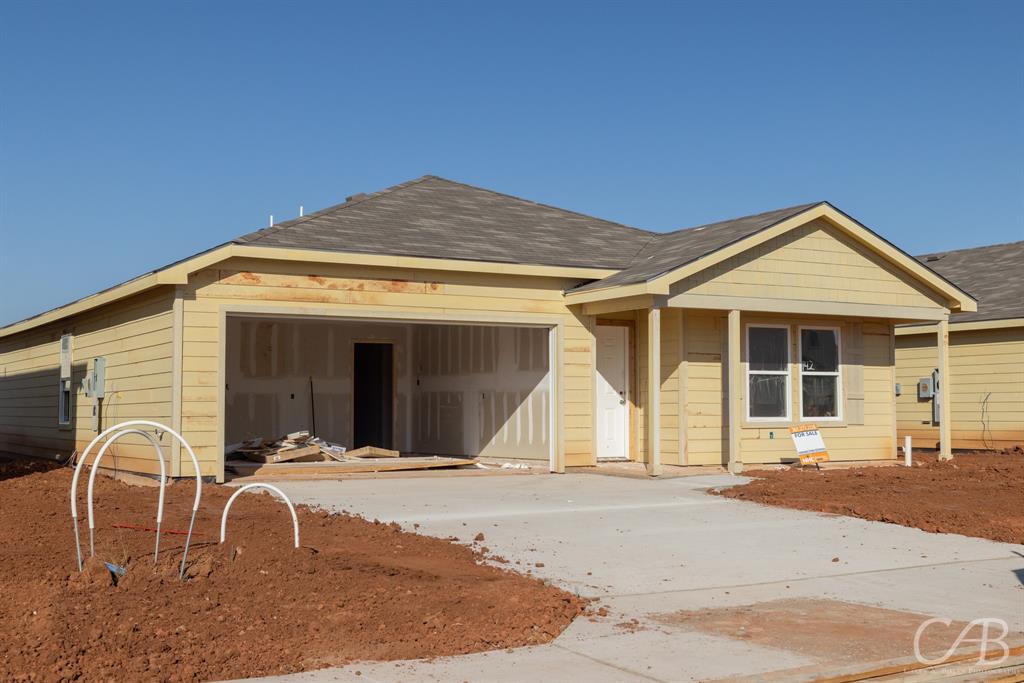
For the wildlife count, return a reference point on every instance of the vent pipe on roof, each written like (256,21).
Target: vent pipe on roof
(271,220)
(301,212)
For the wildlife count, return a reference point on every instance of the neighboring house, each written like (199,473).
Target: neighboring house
(986,353)
(436,317)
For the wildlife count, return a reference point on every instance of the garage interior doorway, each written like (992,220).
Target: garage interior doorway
(373,394)
(418,388)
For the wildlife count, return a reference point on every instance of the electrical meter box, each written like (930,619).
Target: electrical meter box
(96,378)
(926,387)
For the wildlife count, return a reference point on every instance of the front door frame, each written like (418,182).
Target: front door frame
(631,435)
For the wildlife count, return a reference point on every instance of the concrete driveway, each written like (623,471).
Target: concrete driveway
(678,568)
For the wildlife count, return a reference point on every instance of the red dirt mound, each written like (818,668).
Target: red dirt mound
(975,494)
(355,590)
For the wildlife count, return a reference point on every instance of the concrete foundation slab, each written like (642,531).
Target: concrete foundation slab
(645,548)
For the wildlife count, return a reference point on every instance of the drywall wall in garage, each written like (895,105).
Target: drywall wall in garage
(481,391)
(269,363)
(459,389)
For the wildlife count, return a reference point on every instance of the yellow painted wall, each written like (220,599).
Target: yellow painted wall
(987,368)
(815,262)
(854,438)
(704,354)
(694,410)
(338,290)
(136,338)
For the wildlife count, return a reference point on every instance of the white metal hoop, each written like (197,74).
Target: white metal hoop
(85,456)
(163,484)
(279,492)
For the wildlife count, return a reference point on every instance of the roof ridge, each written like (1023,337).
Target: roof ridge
(801,207)
(966,249)
(263,232)
(541,204)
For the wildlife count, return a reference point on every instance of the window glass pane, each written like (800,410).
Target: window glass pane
(766,347)
(820,396)
(819,350)
(767,395)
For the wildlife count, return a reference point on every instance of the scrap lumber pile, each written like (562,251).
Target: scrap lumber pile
(299,453)
(294,447)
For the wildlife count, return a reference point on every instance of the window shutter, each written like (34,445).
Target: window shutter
(853,373)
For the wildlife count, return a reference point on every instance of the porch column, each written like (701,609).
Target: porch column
(735,370)
(654,392)
(944,395)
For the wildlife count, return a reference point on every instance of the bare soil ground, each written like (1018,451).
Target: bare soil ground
(975,494)
(355,590)
(832,631)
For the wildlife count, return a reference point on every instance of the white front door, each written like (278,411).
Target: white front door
(612,392)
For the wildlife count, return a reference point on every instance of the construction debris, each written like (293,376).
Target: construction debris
(295,447)
(300,453)
(348,466)
(372,452)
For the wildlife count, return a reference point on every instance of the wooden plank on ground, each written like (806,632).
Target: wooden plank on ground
(283,454)
(372,452)
(242,467)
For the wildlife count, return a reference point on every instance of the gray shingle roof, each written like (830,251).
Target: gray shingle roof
(668,251)
(992,274)
(438,218)
(434,217)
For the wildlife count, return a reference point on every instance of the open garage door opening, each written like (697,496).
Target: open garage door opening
(418,388)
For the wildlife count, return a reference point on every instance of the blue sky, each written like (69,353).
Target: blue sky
(134,134)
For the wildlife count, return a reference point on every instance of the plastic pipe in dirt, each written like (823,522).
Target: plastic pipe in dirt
(907,457)
(85,456)
(163,484)
(279,492)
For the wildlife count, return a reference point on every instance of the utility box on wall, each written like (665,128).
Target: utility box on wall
(64,394)
(94,386)
(94,381)
(928,388)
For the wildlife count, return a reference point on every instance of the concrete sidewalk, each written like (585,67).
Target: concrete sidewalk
(649,549)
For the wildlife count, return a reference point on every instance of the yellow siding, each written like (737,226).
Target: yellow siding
(987,368)
(706,409)
(322,289)
(136,338)
(812,263)
(706,426)
(872,440)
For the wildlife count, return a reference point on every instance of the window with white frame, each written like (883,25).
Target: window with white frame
(767,372)
(820,390)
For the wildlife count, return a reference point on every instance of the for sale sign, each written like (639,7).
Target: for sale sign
(809,444)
